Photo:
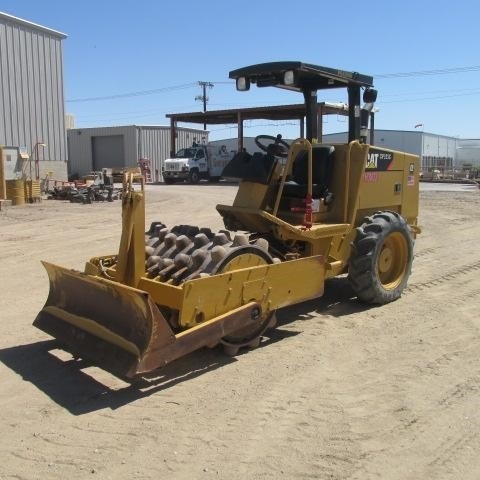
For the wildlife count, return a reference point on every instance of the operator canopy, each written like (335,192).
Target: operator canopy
(307,79)
(297,76)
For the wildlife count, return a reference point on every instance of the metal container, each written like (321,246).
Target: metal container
(16,191)
(32,191)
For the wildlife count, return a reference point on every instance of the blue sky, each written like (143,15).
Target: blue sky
(125,47)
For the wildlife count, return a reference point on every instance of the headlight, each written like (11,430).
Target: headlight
(289,78)
(243,84)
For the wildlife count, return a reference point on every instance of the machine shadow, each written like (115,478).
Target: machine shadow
(71,384)
(338,300)
(80,392)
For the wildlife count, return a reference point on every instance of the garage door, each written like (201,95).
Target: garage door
(108,151)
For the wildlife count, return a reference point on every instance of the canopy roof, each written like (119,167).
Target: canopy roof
(305,76)
(274,112)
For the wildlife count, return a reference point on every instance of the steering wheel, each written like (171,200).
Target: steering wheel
(279,147)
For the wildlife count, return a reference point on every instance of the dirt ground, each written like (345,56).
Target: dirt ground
(337,391)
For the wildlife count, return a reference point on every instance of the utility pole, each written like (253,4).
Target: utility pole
(203,98)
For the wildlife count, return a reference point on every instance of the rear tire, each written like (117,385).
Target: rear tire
(381,259)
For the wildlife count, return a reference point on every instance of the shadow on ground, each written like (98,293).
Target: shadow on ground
(69,382)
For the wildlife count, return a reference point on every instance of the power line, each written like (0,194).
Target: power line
(438,97)
(134,94)
(463,91)
(420,73)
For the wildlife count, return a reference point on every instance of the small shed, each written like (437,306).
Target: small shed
(91,149)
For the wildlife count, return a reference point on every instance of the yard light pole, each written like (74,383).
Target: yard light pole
(37,162)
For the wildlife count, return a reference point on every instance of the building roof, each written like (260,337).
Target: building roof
(276,112)
(131,125)
(32,25)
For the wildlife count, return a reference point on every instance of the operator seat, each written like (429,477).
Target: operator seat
(323,157)
(253,168)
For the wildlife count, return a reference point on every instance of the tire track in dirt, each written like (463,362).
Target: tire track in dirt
(425,252)
(454,454)
(283,429)
(346,392)
(281,423)
(446,277)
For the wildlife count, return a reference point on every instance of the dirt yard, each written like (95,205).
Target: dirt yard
(337,391)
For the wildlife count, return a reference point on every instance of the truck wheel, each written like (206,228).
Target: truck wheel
(194,176)
(169,181)
(381,259)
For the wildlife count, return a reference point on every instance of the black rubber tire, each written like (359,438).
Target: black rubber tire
(381,259)
(194,176)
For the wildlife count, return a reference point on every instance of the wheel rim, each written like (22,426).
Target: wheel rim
(392,261)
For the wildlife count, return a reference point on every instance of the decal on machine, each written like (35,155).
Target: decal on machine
(379,160)
(370,177)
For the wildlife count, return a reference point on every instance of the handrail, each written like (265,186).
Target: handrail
(295,146)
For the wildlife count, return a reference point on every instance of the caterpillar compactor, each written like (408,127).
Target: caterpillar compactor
(304,212)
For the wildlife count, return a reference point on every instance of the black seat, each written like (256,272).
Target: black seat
(254,168)
(323,157)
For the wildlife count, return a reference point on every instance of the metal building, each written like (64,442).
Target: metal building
(91,149)
(435,151)
(468,154)
(32,119)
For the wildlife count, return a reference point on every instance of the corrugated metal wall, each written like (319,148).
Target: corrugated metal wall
(154,144)
(468,152)
(150,142)
(31,84)
(403,141)
(434,150)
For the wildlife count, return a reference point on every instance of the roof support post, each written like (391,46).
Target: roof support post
(173,149)
(240,132)
(353,112)
(311,111)
(320,113)
(372,127)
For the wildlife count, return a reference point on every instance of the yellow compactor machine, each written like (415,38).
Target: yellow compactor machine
(304,212)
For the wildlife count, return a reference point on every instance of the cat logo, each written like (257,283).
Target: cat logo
(380,160)
(372,160)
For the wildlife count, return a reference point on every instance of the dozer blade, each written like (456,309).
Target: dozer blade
(117,327)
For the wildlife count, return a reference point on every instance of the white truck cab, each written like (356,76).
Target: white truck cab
(196,162)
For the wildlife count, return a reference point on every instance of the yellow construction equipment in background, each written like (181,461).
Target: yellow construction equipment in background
(325,211)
